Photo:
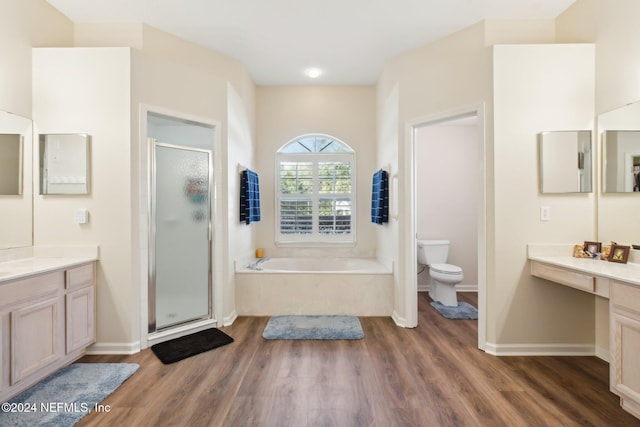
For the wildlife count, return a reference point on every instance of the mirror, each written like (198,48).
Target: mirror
(565,162)
(16,189)
(10,164)
(615,209)
(64,164)
(621,161)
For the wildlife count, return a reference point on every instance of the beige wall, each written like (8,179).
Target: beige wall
(454,72)
(457,72)
(347,113)
(612,25)
(23,25)
(165,74)
(442,77)
(88,91)
(537,88)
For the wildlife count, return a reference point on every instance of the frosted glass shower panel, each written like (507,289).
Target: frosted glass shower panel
(182,243)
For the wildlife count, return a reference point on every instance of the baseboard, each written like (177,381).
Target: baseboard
(540,349)
(228,320)
(400,321)
(114,348)
(424,287)
(603,353)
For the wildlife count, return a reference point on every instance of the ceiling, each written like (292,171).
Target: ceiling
(277,40)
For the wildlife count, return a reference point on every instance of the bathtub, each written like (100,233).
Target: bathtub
(315,285)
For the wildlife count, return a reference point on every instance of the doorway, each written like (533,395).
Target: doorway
(472,116)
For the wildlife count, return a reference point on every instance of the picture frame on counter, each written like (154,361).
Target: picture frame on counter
(593,247)
(619,253)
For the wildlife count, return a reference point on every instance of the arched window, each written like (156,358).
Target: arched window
(315,191)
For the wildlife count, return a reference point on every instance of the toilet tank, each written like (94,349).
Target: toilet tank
(433,251)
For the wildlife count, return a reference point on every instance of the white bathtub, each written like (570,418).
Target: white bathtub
(315,285)
(320,265)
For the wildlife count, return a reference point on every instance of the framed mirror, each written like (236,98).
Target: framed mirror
(621,161)
(64,164)
(566,161)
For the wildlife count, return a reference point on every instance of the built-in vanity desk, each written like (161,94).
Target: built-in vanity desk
(47,315)
(620,283)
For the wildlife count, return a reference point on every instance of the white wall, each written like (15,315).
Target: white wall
(447,173)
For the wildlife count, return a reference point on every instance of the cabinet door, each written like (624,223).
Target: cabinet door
(80,318)
(625,368)
(34,338)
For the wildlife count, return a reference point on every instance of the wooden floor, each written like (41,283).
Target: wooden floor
(432,375)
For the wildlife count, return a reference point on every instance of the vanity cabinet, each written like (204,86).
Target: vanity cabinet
(46,322)
(80,308)
(624,306)
(621,285)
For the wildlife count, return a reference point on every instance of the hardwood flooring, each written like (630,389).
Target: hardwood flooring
(432,375)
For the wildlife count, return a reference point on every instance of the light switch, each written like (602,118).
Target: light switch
(81,216)
(545,213)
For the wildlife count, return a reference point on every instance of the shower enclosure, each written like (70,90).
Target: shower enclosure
(180,221)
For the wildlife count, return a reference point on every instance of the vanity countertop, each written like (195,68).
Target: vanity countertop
(20,263)
(19,269)
(629,273)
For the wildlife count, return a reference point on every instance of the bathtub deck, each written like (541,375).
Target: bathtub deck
(309,293)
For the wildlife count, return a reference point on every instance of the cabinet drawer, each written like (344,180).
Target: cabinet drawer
(625,296)
(30,288)
(580,281)
(80,276)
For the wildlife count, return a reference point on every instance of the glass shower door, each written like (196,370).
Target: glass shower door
(181,220)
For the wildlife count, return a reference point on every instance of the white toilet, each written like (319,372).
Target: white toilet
(444,277)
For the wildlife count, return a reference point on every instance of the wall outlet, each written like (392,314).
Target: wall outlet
(545,213)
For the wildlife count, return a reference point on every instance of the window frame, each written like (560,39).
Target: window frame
(315,238)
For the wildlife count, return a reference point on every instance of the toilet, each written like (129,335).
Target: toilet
(444,277)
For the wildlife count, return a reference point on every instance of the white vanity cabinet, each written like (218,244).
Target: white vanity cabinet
(46,322)
(624,309)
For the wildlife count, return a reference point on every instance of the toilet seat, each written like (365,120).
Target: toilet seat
(445,268)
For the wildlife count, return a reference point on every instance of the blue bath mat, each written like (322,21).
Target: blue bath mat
(313,328)
(63,398)
(462,311)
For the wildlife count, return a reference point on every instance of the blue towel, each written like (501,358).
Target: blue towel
(249,197)
(380,197)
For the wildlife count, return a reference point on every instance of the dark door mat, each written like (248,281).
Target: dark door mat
(190,345)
